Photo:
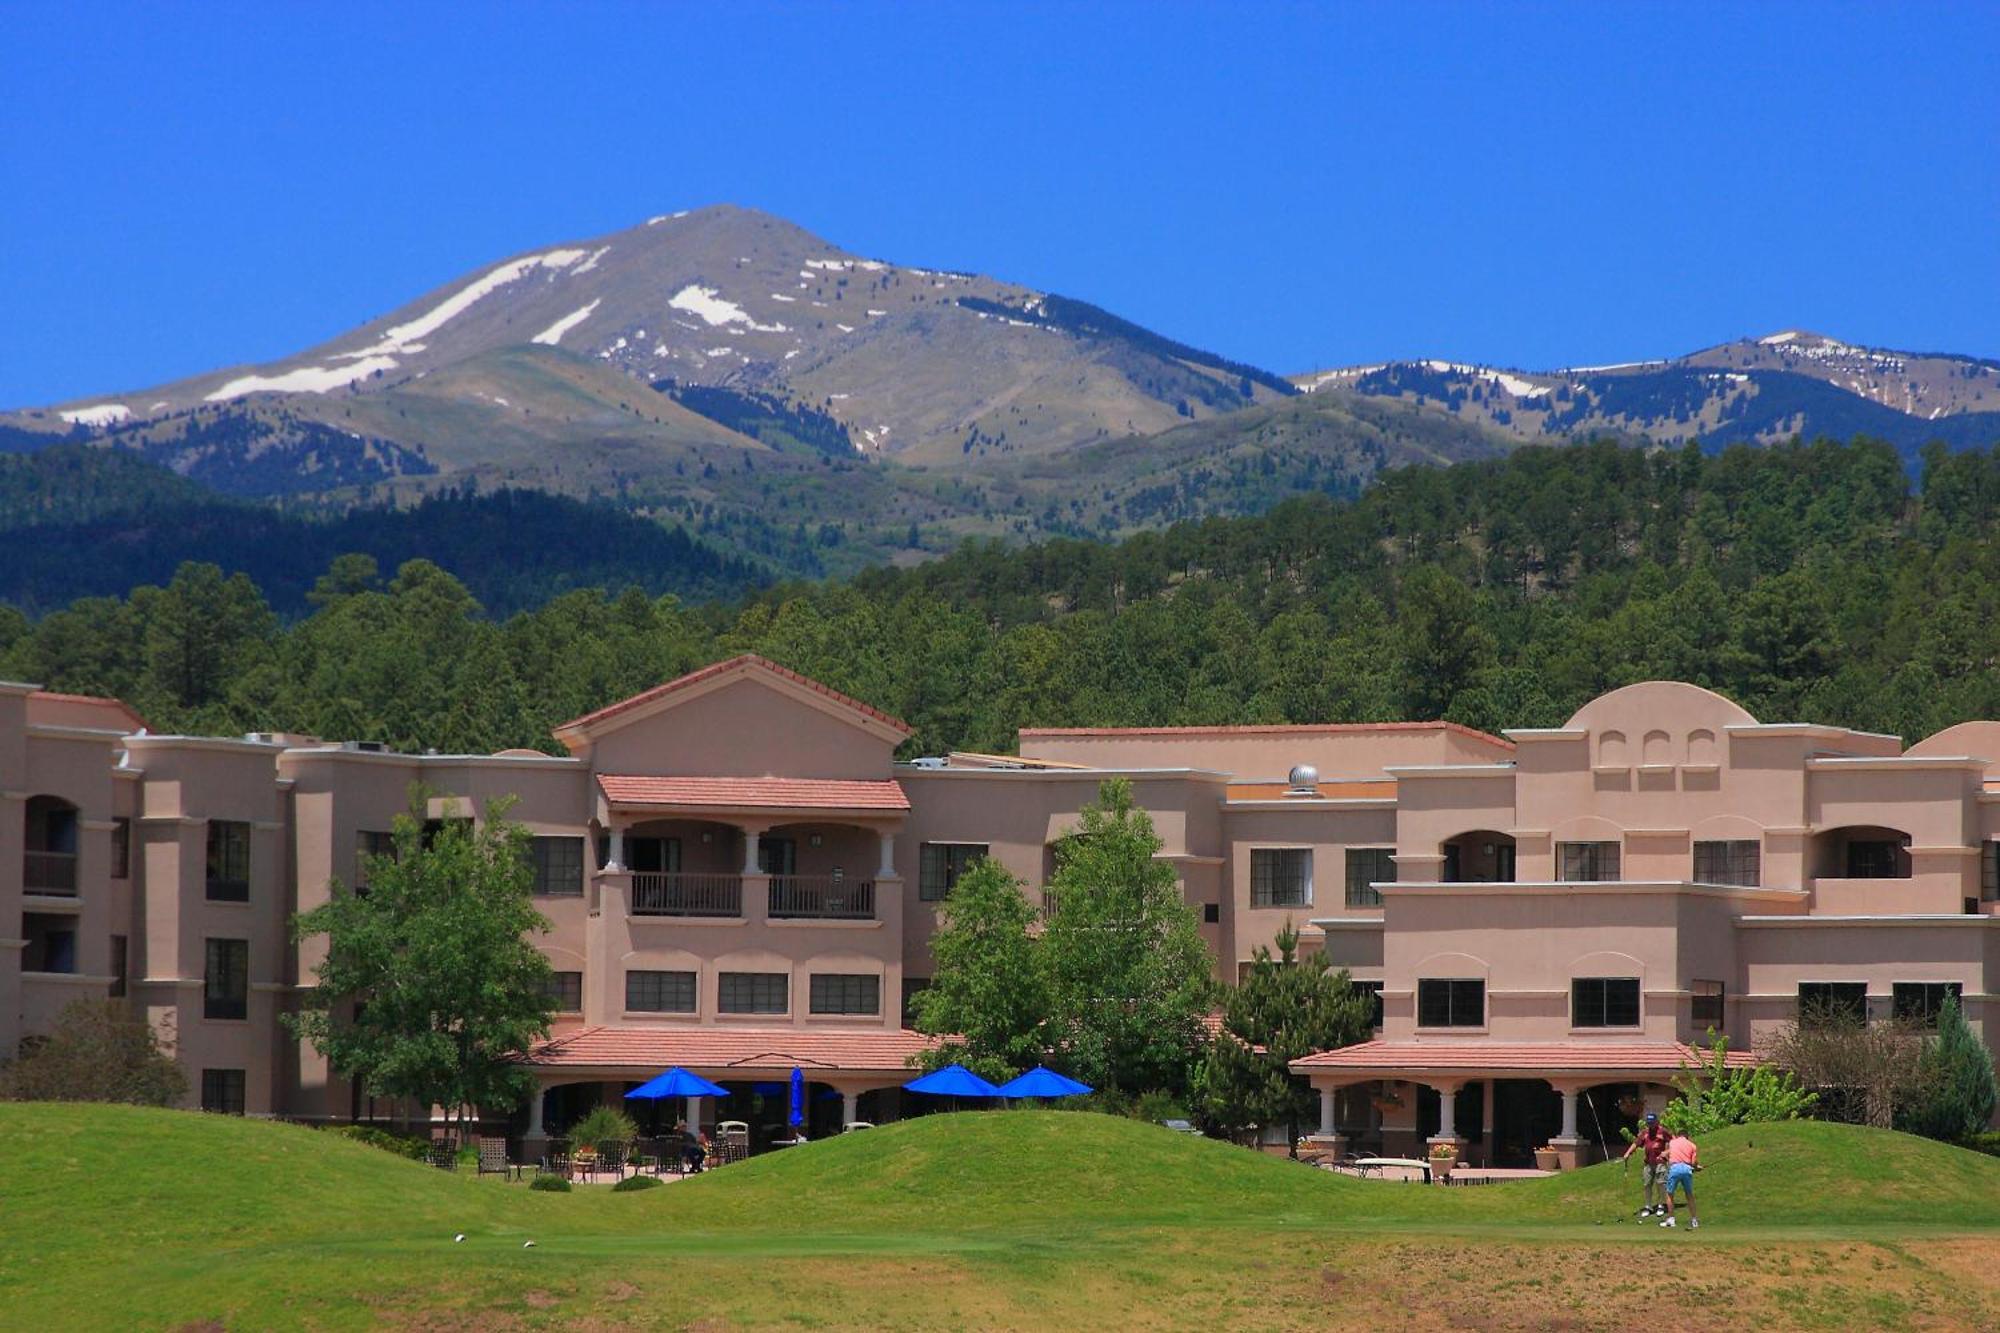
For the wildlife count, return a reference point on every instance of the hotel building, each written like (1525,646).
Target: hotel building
(742,879)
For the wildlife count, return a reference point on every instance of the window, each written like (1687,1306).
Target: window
(1372,989)
(49,942)
(753,993)
(777,856)
(939,864)
(1604,1002)
(226,984)
(1211,914)
(1918,1002)
(121,848)
(119,966)
(1451,1003)
(845,993)
(912,986)
(566,989)
(558,867)
(1586,862)
(1368,866)
(1823,1002)
(660,992)
(370,843)
(228,861)
(1989,871)
(1736,862)
(1281,876)
(222,1091)
(1874,858)
(1705,1009)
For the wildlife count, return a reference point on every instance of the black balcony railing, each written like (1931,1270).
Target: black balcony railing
(52,873)
(824,897)
(676,894)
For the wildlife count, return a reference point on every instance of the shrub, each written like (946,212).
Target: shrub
(604,1124)
(1988,1143)
(403,1145)
(549,1184)
(1957,1090)
(630,1183)
(98,1052)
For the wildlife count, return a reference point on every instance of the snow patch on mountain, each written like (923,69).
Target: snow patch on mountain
(552,336)
(98,414)
(709,305)
(400,338)
(306,379)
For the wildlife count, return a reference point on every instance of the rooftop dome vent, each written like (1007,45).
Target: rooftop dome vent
(1304,781)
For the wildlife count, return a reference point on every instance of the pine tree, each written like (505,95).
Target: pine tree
(1958,1082)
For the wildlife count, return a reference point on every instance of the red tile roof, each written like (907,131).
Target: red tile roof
(1274,729)
(738,663)
(753,793)
(717,1050)
(1474,1056)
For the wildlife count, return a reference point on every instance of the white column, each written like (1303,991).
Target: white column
(850,1103)
(1448,1112)
(1326,1127)
(693,1116)
(1569,1112)
(615,857)
(750,835)
(887,869)
(535,1112)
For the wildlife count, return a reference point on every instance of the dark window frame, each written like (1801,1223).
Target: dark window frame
(751,992)
(227,878)
(1918,1002)
(225,979)
(121,847)
(224,1091)
(661,991)
(556,861)
(1604,1002)
(121,965)
(1276,869)
(1366,867)
(1373,989)
(1738,862)
(1445,1002)
(563,985)
(1818,999)
(940,864)
(850,993)
(1707,1009)
(1589,862)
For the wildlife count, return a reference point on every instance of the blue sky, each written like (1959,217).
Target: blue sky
(184,187)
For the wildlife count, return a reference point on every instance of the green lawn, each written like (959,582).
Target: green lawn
(115,1217)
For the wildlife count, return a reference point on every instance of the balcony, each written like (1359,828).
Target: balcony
(656,894)
(50,873)
(822,897)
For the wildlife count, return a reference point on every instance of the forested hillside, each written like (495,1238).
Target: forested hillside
(1806,581)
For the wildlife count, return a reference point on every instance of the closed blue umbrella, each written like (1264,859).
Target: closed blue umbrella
(1042,1081)
(677,1082)
(798,1096)
(953,1081)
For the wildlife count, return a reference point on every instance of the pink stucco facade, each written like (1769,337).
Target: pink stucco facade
(741,878)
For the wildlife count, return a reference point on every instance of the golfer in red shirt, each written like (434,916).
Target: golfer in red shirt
(1652,1139)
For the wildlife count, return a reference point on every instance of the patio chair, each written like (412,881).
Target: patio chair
(442,1154)
(613,1156)
(493,1157)
(557,1161)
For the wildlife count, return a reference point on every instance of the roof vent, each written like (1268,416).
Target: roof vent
(928,761)
(1304,781)
(365,747)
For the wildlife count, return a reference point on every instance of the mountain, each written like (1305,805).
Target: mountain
(1757,390)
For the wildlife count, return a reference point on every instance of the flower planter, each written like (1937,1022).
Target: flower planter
(1547,1160)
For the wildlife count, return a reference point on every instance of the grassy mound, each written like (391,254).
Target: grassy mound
(1022,1217)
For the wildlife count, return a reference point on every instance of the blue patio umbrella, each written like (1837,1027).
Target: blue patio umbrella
(798,1096)
(1041,1081)
(953,1081)
(677,1082)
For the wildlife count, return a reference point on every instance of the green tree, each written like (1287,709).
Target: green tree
(1959,1093)
(1128,972)
(1714,1095)
(1285,1008)
(988,991)
(99,1051)
(1444,645)
(432,988)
